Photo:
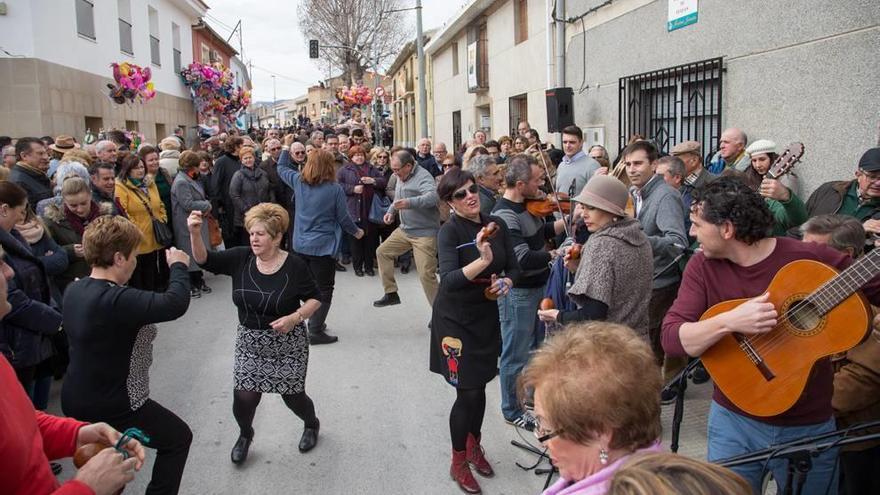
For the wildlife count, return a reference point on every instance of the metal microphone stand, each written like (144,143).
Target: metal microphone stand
(681,379)
(800,453)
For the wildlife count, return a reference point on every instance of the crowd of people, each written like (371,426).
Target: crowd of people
(578,280)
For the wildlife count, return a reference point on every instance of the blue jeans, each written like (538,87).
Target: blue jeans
(731,434)
(520,335)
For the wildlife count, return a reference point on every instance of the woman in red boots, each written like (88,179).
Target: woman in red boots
(476,268)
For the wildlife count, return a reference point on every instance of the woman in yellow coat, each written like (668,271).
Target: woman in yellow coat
(139,197)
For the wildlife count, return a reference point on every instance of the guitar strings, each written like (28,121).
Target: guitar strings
(772,339)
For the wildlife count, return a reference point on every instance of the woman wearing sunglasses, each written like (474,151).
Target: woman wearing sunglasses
(476,268)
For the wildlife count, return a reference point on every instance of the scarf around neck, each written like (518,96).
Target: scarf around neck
(31,231)
(78,223)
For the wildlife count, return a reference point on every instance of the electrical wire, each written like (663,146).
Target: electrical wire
(282,76)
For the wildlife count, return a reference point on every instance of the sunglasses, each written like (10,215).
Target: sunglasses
(462,193)
(300,152)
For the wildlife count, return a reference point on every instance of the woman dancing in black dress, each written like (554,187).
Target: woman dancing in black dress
(476,268)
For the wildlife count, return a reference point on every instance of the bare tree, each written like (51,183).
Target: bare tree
(364,25)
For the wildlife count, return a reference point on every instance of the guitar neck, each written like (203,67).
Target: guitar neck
(846,283)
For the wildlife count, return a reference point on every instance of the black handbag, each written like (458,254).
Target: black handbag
(161,231)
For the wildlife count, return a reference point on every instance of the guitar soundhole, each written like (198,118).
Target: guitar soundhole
(804,317)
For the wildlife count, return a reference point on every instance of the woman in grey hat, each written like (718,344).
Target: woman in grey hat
(613,276)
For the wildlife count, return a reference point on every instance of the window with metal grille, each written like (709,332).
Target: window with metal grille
(519,111)
(456,130)
(85,18)
(673,105)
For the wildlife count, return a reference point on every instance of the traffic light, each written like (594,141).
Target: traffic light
(313,48)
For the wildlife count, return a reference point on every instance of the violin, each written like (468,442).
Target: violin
(548,205)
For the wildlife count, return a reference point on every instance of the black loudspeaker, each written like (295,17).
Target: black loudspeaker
(560,110)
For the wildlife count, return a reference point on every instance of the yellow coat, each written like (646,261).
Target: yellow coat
(132,200)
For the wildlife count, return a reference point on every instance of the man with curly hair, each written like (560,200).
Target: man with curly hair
(739,259)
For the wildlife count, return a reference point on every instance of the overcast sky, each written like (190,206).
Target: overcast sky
(273,43)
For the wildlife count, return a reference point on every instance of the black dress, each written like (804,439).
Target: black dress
(266,360)
(465,329)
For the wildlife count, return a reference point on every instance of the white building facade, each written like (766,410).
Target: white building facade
(489,70)
(53,80)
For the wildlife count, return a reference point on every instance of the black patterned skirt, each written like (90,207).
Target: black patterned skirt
(271,362)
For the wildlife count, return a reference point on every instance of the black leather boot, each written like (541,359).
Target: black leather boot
(309,438)
(388,299)
(240,449)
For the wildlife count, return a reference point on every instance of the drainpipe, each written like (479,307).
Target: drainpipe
(551,83)
(560,52)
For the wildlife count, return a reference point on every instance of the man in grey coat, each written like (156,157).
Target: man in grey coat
(415,202)
(659,209)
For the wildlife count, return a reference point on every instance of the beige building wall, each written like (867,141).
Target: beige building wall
(39,98)
(405,104)
(514,69)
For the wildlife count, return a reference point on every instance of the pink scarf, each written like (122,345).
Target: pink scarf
(596,483)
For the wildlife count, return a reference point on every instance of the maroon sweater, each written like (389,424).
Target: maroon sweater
(707,282)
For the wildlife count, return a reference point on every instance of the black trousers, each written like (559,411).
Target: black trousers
(169,435)
(363,250)
(323,269)
(147,274)
(859,469)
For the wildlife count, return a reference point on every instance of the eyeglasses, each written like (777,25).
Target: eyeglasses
(448,164)
(300,152)
(543,434)
(382,157)
(870,177)
(462,193)
(276,149)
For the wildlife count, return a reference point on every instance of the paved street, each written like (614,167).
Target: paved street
(383,414)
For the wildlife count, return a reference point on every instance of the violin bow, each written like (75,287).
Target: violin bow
(552,186)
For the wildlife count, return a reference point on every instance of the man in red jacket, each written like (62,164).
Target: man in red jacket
(29,439)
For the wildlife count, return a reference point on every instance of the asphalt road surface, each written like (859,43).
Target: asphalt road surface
(384,416)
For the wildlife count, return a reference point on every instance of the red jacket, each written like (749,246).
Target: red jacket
(29,439)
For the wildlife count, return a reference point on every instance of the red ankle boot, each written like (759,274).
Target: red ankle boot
(461,472)
(477,457)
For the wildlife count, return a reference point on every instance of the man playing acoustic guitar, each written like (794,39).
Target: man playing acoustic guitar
(739,260)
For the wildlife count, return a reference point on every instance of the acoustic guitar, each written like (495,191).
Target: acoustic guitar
(821,313)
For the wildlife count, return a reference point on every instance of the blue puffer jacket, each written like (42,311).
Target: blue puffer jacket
(25,333)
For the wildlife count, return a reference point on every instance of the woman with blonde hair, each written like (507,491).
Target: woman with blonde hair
(591,424)
(67,223)
(321,216)
(673,474)
(275,294)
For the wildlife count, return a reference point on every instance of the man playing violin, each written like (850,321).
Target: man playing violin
(528,233)
(739,260)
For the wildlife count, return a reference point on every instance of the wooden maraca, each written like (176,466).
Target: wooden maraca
(87,451)
(490,230)
(574,253)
